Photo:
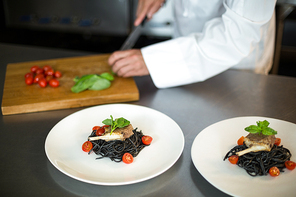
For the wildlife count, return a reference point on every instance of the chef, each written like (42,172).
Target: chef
(210,36)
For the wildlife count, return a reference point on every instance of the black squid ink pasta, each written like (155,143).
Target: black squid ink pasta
(115,149)
(259,163)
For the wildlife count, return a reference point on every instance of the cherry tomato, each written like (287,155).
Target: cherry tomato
(29,75)
(42,83)
(146,139)
(290,165)
(100,131)
(39,71)
(38,77)
(274,171)
(95,128)
(277,141)
(57,74)
(87,146)
(49,72)
(240,141)
(127,158)
(46,68)
(29,80)
(233,159)
(54,83)
(34,68)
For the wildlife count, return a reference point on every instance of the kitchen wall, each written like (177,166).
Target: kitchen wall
(101,26)
(104,17)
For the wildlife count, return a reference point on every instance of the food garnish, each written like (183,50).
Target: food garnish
(261,127)
(240,141)
(87,146)
(127,158)
(117,123)
(233,159)
(290,165)
(146,139)
(274,171)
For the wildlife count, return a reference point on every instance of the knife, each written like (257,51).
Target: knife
(133,37)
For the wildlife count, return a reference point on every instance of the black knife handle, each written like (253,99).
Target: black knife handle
(144,21)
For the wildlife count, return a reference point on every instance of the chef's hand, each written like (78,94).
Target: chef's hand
(147,8)
(128,63)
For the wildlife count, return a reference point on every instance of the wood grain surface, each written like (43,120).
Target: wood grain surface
(21,98)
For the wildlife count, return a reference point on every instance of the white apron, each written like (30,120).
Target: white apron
(212,36)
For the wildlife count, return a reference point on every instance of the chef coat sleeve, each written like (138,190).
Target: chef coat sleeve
(223,43)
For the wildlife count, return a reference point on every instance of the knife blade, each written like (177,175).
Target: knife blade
(133,37)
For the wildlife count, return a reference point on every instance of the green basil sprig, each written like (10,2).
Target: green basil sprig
(261,127)
(117,123)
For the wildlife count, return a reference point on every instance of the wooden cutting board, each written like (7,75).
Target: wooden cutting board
(21,98)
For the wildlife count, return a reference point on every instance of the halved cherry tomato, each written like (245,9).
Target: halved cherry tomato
(42,83)
(127,158)
(57,74)
(277,141)
(100,131)
(29,80)
(34,68)
(95,128)
(233,159)
(274,171)
(146,139)
(290,165)
(54,83)
(87,146)
(240,141)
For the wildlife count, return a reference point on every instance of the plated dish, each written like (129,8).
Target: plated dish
(63,145)
(211,144)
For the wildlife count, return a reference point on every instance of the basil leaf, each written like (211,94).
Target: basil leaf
(84,83)
(122,122)
(107,76)
(76,79)
(268,131)
(100,84)
(107,122)
(92,82)
(253,129)
(262,127)
(263,124)
(117,123)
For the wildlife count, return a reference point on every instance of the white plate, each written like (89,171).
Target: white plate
(211,145)
(64,141)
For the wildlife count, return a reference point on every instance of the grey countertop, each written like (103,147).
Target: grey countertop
(26,171)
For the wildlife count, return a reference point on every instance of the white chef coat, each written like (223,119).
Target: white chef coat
(211,37)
